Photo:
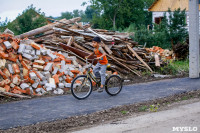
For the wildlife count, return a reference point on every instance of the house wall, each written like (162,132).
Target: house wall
(161,14)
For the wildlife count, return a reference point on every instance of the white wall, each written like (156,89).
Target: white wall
(161,14)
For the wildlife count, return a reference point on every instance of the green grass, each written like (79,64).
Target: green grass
(143,108)
(124,112)
(175,67)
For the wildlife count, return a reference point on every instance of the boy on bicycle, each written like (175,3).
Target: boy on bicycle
(100,68)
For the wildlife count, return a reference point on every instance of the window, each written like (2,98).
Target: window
(158,20)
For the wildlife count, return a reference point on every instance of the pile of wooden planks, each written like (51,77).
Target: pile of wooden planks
(124,55)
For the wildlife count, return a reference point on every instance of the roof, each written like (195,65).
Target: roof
(164,5)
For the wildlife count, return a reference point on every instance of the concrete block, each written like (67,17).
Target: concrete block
(35,57)
(43,91)
(65,54)
(61,85)
(28,56)
(12,85)
(55,70)
(24,86)
(71,74)
(48,67)
(71,58)
(10,68)
(32,75)
(7,44)
(66,72)
(47,74)
(38,52)
(60,91)
(21,48)
(38,67)
(31,89)
(35,85)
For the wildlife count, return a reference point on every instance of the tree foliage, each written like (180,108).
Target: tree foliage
(29,19)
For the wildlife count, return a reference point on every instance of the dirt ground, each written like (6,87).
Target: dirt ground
(88,120)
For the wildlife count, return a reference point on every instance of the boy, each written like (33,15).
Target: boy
(100,68)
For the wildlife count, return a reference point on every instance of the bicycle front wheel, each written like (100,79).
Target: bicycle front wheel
(113,85)
(81,87)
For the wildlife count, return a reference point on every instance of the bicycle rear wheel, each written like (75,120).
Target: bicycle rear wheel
(81,87)
(113,85)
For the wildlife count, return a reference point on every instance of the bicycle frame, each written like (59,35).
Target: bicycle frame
(90,74)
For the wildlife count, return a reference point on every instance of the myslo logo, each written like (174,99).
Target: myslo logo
(186,129)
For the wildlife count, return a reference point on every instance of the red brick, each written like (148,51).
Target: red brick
(4,82)
(20,57)
(6,72)
(75,71)
(36,46)
(56,78)
(7,88)
(24,64)
(3,75)
(16,79)
(16,68)
(3,55)
(68,79)
(37,75)
(15,45)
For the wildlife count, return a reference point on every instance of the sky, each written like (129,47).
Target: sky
(11,8)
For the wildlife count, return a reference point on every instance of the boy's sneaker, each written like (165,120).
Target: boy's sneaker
(100,89)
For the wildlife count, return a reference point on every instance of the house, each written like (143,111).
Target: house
(159,7)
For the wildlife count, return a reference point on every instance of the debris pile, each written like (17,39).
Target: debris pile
(32,69)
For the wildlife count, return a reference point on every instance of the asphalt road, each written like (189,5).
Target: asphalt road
(26,112)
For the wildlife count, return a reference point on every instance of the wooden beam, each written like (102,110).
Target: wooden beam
(138,57)
(113,58)
(13,95)
(70,41)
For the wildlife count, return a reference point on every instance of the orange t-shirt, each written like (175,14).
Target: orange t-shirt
(99,52)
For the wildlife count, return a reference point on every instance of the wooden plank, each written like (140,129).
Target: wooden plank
(113,58)
(138,57)
(71,39)
(106,48)
(82,48)
(47,27)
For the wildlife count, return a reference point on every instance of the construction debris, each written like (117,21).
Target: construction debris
(35,64)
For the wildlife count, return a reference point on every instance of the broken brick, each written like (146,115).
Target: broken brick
(4,82)
(3,55)
(6,72)
(68,79)
(15,45)
(75,71)
(16,68)
(36,46)
(56,78)
(16,79)
(7,88)
(3,75)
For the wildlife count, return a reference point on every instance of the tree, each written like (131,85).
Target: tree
(29,19)
(3,24)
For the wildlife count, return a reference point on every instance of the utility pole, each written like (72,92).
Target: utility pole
(194,39)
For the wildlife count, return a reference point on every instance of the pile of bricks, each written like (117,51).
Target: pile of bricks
(29,68)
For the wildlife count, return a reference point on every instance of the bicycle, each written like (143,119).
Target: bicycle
(82,86)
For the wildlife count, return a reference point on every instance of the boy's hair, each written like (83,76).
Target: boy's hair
(97,39)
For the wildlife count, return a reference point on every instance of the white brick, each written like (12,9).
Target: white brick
(38,67)
(33,52)
(35,84)
(47,75)
(60,91)
(51,55)
(49,89)
(10,68)
(50,85)
(63,64)
(48,67)
(43,51)
(27,51)
(28,47)
(61,85)
(38,52)
(12,85)
(41,75)
(38,90)
(67,85)
(55,92)
(7,44)
(52,81)
(55,70)
(24,86)
(21,48)
(32,75)
(41,62)
(28,56)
